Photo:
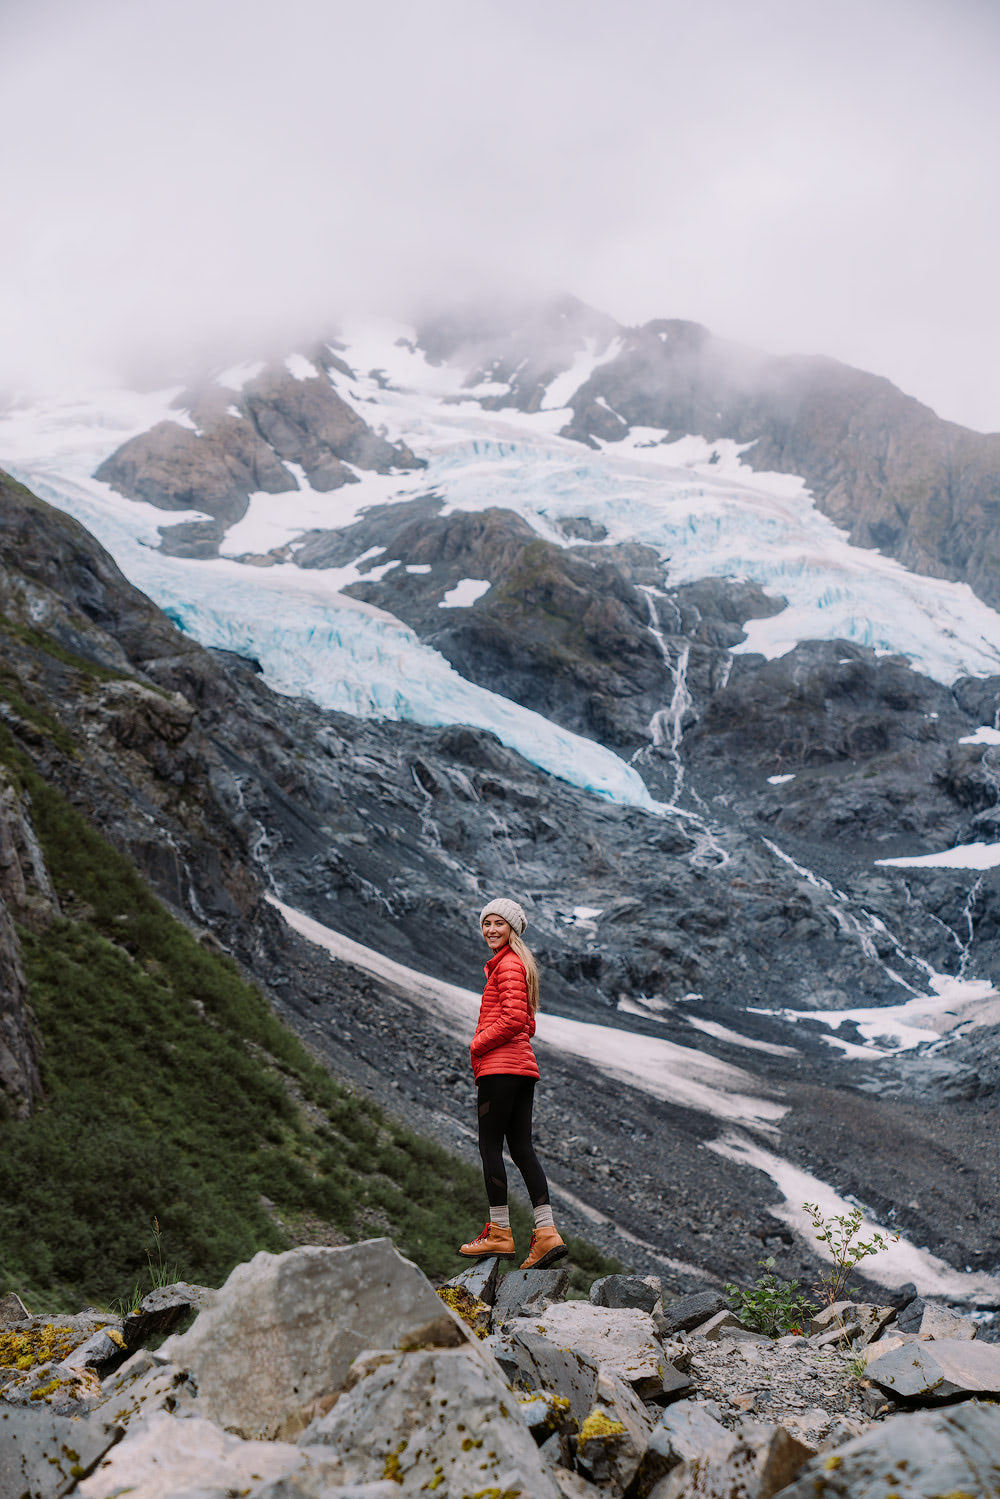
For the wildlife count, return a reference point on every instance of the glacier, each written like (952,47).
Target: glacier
(697,503)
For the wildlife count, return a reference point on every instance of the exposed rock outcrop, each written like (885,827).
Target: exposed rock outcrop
(237,444)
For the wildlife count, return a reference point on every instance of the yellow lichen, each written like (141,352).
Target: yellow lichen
(393,1468)
(833,1462)
(38,1345)
(45,1390)
(599,1425)
(474,1313)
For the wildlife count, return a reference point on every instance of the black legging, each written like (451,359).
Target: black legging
(505,1110)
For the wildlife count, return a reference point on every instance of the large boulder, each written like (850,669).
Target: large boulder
(613,1438)
(688,1312)
(624,1341)
(682,1432)
(938,1370)
(286,1328)
(924,1455)
(928,1320)
(564,1372)
(164,1456)
(43,1456)
(437,1420)
(754,1462)
(624,1291)
(527,1293)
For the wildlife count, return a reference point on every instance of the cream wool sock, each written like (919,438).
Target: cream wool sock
(543,1216)
(500,1216)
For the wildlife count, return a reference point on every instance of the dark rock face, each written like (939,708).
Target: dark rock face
(522,347)
(880,464)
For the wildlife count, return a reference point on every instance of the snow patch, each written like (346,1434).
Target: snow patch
(238,375)
(465,593)
(894,1267)
(723,1033)
(985,734)
(916,1022)
(418,567)
(965,856)
(560,391)
(301,368)
(780,780)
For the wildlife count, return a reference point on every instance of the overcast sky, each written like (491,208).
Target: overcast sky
(194,174)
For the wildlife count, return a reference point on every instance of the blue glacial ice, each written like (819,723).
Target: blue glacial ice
(314,642)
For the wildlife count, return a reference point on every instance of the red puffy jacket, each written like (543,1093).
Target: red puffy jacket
(502,1042)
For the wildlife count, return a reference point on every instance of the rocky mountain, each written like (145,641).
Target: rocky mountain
(470,628)
(392,834)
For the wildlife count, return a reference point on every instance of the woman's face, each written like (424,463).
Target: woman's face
(496,931)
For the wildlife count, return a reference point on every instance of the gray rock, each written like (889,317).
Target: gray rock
(613,1438)
(566,1372)
(163,1310)
(754,1462)
(548,1416)
(12,1310)
(682,1432)
(938,1370)
(623,1291)
(435,1418)
(162,1456)
(717,1325)
(571,1485)
(287,1327)
(924,1455)
(689,1312)
(527,1293)
(927,1319)
(54,1388)
(865,1318)
(623,1341)
(142,1385)
(102,1351)
(43,1456)
(480,1280)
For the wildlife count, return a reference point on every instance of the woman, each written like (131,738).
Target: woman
(505,1070)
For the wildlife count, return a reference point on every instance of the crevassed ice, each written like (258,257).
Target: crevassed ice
(337,651)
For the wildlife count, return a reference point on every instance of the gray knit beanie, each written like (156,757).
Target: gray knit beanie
(509,910)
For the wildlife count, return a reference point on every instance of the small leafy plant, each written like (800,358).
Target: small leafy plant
(839,1233)
(771,1306)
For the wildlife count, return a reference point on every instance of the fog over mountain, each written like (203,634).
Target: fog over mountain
(215,176)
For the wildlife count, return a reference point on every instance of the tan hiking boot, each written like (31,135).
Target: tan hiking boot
(492,1240)
(545,1248)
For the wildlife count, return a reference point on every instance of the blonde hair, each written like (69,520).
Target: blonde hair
(523,951)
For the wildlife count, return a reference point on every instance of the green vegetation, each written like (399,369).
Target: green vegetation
(839,1233)
(173,1093)
(771,1306)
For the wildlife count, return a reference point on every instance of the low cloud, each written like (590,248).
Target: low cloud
(189,178)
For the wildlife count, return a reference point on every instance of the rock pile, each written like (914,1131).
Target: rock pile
(341,1372)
